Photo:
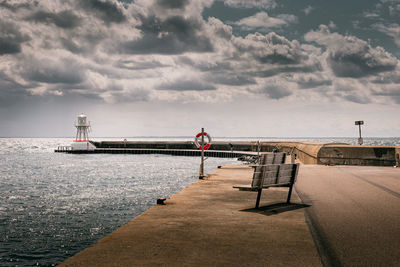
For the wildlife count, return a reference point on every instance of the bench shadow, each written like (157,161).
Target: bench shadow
(276,208)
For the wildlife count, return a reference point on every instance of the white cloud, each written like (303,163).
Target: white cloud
(263,20)
(392,30)
(267,4)
(349,56)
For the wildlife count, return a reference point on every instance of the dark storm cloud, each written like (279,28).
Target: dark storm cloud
(106,10)
(11,38)
(187,85)
(49,71)
(174,35)
(64,19)
(230,79)
(173,4)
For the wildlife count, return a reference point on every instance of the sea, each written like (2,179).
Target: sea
(53,205)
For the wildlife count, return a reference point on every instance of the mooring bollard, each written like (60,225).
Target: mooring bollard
(160,201)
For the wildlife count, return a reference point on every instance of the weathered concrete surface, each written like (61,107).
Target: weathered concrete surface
(357,155)
(355,212)
(206,225)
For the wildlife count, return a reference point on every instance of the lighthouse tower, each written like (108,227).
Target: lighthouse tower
(81,141)
(82,129)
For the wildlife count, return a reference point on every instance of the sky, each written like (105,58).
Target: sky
(262,68)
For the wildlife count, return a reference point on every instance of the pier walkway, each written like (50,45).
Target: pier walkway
(352,214)
(355,213)
(211,224)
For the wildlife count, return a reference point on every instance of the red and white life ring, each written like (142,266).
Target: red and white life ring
(197,140)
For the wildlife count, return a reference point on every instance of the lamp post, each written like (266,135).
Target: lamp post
(359,123)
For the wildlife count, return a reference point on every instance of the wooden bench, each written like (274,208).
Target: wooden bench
(272,158)
(273,175)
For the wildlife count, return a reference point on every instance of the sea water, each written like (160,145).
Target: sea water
(53,205)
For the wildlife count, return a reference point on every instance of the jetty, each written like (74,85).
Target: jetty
(338,216)
(344,211)
(306,152)
(210,224)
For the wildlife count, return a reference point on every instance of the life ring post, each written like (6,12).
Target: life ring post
(202,155)
(201,144)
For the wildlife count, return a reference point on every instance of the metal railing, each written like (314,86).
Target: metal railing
(64,148)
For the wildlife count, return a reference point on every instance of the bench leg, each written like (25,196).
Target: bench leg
(289,194)
(258,198)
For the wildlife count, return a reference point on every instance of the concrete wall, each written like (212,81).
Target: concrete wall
(306,152)
(340,154)
(357,155)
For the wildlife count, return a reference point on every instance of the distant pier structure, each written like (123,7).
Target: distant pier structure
(81,141)
(306,152)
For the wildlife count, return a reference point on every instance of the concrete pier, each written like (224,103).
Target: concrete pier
(174,152)
(306,152)
(211,224)
(354,212)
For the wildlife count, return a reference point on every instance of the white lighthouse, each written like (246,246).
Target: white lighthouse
(81,141)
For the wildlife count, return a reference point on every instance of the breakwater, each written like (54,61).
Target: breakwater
(174,152)
(306,152)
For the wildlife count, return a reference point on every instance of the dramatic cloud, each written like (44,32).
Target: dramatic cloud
(174,35)
(271,48)
(64,19)
(108,11)
(349,56)
(148,54)
(47,70)
(14,6)
(174,4)
(161,50)
(11,38)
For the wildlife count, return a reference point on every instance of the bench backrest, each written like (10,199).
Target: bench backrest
(275,174)
(272,158)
